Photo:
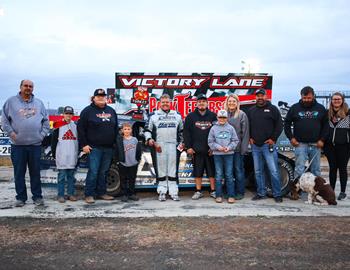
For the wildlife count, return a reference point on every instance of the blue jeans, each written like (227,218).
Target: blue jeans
(304,152)
(21,156)
(261,153)
(64,174)
(239,173)
(224,170)
(99,161)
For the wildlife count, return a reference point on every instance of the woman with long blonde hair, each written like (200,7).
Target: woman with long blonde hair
(337,146)
(239,120)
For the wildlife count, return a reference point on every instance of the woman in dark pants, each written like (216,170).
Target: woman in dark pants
(337,147)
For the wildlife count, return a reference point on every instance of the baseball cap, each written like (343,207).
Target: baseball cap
(201,97)
(260,91)
(222,113)
(99,92)
(68,109)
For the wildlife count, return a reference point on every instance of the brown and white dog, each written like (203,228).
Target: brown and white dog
(319,190)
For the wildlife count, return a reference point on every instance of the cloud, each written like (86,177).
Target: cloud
(80,45)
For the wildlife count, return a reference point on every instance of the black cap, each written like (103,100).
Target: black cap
(201,97)
(260,91)
(68,109)
(100,92)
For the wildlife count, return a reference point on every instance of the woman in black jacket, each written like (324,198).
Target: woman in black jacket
(337,147)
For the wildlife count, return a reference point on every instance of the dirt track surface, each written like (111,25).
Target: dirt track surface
(176,243)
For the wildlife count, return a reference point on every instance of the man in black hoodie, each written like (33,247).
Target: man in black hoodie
(97,133)
(265,124)
(196,131)
(310,130)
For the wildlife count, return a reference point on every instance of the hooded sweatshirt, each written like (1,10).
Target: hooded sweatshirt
(97,126)
(64,146)
(28,119)
(196,130)
(310,123)
(222,136)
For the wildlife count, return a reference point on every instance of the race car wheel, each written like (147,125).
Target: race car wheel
(113,181)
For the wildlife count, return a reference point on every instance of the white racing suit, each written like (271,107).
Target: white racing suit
(166,129)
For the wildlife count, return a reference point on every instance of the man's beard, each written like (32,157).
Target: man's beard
(307,103)
(261,102)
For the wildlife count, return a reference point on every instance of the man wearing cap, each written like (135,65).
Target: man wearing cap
(25,120)
(97,132)
(310,130)
(64,148)
(265,124)
(196,130)
(163,132)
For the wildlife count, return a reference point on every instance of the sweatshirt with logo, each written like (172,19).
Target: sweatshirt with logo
(196,130)
(310,123)
(222,136)
(97,126)
(64,146)
(28,119)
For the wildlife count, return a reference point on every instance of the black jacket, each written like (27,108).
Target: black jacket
(264,123)
(310,124)
(339,132)
(54,141)
(120,154)
(97,127)
(196,130)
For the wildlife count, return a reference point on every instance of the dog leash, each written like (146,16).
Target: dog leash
(308,166)
(305,170)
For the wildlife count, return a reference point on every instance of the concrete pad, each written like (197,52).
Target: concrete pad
(149,206)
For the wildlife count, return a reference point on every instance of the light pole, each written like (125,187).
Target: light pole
(250,66)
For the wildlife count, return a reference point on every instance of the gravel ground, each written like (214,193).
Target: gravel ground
(176,243)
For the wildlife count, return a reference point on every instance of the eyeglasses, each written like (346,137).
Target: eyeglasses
(337,99)
(28,85)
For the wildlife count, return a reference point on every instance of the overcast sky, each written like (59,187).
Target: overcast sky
(70,48)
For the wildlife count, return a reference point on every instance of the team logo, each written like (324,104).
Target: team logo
(223,135)
(308,114)
(129,147)
(27,112)
(104,116)
(203,125)
(69,135)
(140,96)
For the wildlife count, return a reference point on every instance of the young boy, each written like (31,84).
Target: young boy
(129,155)
(222,140)
(64,147)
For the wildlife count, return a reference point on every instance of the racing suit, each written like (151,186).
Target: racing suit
(166,129)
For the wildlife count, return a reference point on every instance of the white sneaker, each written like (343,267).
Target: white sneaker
(175,197)
(197,195)
(213,194)
(162,197)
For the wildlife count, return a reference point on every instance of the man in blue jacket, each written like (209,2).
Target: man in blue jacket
(310,130)
(25,120)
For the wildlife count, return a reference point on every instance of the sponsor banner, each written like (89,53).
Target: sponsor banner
(5,144)
(183,89)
